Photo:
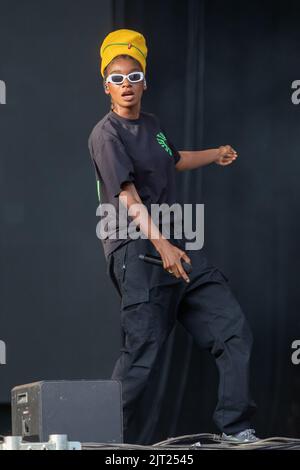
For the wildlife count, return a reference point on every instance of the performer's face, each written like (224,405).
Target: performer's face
(118,91)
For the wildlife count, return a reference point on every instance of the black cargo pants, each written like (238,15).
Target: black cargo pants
(151,302)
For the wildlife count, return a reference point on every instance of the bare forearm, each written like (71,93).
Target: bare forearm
(223,155)
(130,198)
(197,158)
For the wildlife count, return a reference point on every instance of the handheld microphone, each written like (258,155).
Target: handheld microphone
(158,261)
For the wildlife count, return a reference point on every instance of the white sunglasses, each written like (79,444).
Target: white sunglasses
(118,78)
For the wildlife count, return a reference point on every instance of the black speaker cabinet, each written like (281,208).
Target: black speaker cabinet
(85,410)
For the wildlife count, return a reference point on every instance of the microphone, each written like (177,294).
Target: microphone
(158,261)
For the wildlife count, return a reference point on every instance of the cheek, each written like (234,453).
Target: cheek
(140,89)
(113,92)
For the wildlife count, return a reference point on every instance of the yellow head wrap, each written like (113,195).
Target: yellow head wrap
(123,41)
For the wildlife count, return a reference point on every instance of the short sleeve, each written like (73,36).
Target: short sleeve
(176,154)
(113,163)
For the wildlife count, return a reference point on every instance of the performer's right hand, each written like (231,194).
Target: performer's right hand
(171,256)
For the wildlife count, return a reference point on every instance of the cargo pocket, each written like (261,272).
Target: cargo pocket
(135,296)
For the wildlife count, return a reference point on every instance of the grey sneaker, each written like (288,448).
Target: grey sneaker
(248,435)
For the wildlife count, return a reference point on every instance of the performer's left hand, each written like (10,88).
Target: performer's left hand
(226,155)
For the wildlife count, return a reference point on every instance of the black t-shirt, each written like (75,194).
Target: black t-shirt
(136,150)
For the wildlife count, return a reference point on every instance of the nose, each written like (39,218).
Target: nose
(126,82)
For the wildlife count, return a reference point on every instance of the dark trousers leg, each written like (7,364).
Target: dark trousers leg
(145,328)
(212,315)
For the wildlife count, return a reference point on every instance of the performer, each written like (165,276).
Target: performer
(135,164)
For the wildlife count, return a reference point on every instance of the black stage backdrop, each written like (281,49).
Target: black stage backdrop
(218,72)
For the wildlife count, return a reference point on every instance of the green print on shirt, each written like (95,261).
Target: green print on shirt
(162,140)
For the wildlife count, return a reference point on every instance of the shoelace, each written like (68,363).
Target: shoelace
(248,433)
